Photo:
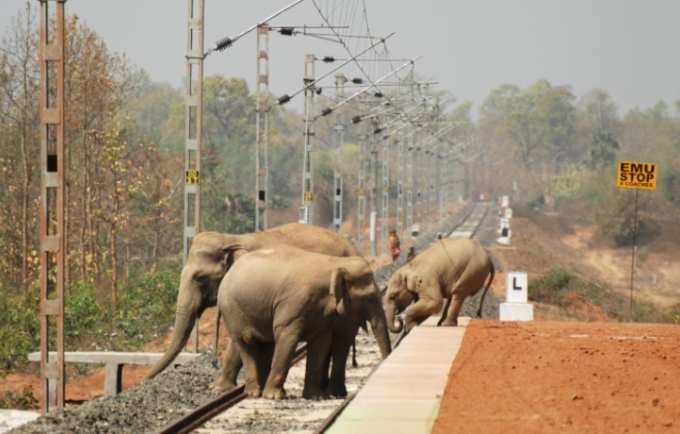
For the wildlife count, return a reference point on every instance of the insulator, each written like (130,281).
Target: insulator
(378,95)
(223,44)
(329,59)
(287,31)
(284,99)
(356,119)
(357,80)
(319,90)
(377,131)
(326,111)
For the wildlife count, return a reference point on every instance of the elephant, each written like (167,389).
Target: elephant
(452,269)
(274,298)
(208,262)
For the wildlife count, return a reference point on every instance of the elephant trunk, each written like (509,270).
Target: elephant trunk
(188,309)
(391,313)
(379,328)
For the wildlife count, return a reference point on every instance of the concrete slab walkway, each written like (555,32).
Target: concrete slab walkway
(404,394)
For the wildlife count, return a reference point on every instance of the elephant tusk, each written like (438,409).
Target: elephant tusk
(400,325)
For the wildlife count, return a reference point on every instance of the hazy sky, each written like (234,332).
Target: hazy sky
(628,47)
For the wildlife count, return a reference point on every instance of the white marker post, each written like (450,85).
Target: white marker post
(505,232)
(516,306)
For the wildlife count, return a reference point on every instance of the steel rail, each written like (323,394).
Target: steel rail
(219,405)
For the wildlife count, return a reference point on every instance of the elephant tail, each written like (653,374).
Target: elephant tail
(492,274)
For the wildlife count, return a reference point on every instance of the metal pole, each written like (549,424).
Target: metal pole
(193,125)
(262,128)
(53,174)
(340,81)
(401,164)
(361,193)
(633,255)
(307,186)
(385,212)
(374,177)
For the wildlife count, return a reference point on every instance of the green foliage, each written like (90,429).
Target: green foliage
(24,400)
(83,312)
(19,330)
(551,288)
(670,186)
(559,284)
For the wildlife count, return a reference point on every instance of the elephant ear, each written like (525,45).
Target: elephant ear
(230,254)
(339,291)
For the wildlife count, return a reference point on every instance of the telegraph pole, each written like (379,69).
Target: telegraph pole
(401,163)
(307,187)
(52,184)
(262,128)
(193,130)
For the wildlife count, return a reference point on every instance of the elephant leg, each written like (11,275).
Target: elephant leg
(231,368)
(337,386)
(420,311)
(453,311)
(249,355)
(318,351)
(284,350)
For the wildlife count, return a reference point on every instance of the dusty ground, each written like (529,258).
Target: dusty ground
(563,377)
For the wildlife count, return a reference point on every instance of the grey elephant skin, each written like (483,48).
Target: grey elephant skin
(208,261)
(450,269)
(272,299)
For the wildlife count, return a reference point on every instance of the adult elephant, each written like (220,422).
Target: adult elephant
(272,299)
(208,261)
(452,269)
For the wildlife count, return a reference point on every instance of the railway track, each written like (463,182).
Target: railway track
(232,413)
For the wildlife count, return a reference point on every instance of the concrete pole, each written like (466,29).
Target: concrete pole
(52,55)
(262,109)
(307,184)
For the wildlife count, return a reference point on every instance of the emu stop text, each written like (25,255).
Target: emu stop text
(636,174)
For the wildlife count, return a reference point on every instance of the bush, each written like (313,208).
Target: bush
(19,330)
(24,400)
(551,287)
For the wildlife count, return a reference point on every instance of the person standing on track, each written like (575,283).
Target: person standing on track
(394,245)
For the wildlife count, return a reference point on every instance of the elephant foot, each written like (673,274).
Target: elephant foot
(253,390)
(276,393)
(337,390)
(448,323)
(222,385)
(315,394)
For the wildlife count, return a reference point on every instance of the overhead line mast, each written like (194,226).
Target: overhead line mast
(193,126)
(52,189)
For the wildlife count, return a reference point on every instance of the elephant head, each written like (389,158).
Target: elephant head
(210,257)
(355,297)
(402,290)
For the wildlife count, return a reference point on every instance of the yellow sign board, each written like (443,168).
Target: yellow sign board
(192,177)
(309,196)
(636,174)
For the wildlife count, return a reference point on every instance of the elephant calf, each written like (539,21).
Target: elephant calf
(452,269)
(273,298)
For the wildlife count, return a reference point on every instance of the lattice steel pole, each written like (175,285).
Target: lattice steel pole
(373,149)
(340,81)
(262,128)
(361,192)
(385,211)
(307,185)
(52,184)
(410,176)
(401,163)
(193,126)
